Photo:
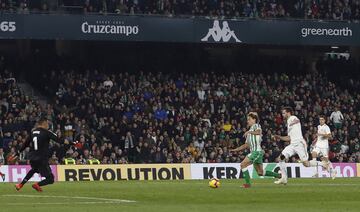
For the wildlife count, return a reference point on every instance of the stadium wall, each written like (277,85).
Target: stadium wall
(169,171)
(183,30)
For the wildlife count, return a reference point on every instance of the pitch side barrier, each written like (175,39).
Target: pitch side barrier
(182,30)
(170,171)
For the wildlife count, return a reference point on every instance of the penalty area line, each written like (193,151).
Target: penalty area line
(72,197)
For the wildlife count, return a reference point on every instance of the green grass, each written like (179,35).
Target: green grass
(299,195)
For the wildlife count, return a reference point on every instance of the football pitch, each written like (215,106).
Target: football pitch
(193,195)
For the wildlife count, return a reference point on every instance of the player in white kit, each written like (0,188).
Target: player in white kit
(297,143)
(321,148)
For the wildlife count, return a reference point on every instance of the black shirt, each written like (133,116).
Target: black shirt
(39,143)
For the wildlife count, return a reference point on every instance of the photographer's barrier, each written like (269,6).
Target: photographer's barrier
(170,171)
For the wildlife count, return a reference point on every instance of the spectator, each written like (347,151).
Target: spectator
(171,123)
(353,130)
(334,10)
(11,158)
(160,114)
(201,93)
(2,157)
(337,118)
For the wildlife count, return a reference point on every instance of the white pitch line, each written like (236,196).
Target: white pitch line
(70,197)
(61,203)
(292,183)
(304,184)
(324,184)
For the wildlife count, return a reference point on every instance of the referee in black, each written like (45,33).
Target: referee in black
(38,142)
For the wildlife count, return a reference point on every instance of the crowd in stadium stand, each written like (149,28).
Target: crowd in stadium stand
(175,118)
(308,9)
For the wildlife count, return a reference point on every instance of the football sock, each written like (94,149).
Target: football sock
(313,163)
(246,175)
(272,174)
(282,166)
(330,167)
(28,176)
(46,181)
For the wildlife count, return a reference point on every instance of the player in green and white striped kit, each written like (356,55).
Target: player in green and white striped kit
(253,141)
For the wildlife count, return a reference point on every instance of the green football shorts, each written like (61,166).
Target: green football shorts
(256,157)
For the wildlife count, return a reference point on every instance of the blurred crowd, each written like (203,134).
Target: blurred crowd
(175,117)
(302,9)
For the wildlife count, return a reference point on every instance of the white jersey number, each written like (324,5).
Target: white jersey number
(35,143)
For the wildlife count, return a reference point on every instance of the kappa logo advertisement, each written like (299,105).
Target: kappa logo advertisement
(109,27)
(220,34)
(124,172)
